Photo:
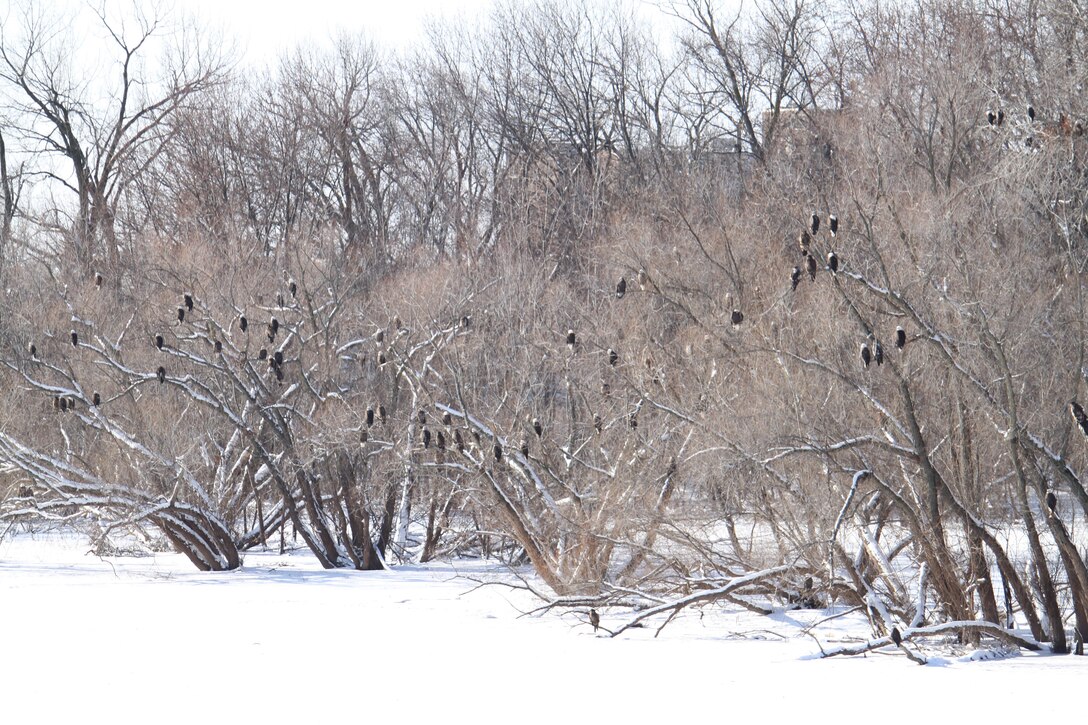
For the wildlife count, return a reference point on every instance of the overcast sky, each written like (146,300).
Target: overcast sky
(263,28)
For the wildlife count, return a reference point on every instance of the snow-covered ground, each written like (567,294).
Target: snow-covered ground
(149,639)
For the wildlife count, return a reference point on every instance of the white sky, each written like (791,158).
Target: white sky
(263,29)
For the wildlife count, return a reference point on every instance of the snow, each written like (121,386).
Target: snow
(150,639)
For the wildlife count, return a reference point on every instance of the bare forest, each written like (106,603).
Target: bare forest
(785,308)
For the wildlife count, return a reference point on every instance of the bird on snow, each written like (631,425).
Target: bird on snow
(897,638)
(594,619)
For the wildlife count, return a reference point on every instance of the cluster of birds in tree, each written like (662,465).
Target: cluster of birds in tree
(185,312)
(1063,127)
(869,353)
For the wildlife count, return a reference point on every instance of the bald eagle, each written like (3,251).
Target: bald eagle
(498,451)
(466,322)
(161,373)
(64,405)
(458,440)
(815,224)
(1051,501)
(537,427)
(421,416)
(795,278)
(158,341)
(736,317)
(525,449)
(804,241)
(896,637)
(278,357)
(1079,417)
(446,418)
(991,118)
(571,339)
(833,262)
(379,336)
(381,359)
(96,399)
(188,299)
(218,346)
(811,264)
(866,356)
(878,353)
(279,299)
(440,440)
(900,337)
(613,357)
(181,315)
(292,287)
(833,222)
(633,421)
(621,288)
(243,323)
(364,436)
(263,354)
(597,423)
(97,279)
(426,438)
(396,322)
(1031,113)
(369,417)
(32,349)
(279,374)
(75,339)
(1000,117)
(381,413)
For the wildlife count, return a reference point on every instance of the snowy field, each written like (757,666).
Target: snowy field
(149,639)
